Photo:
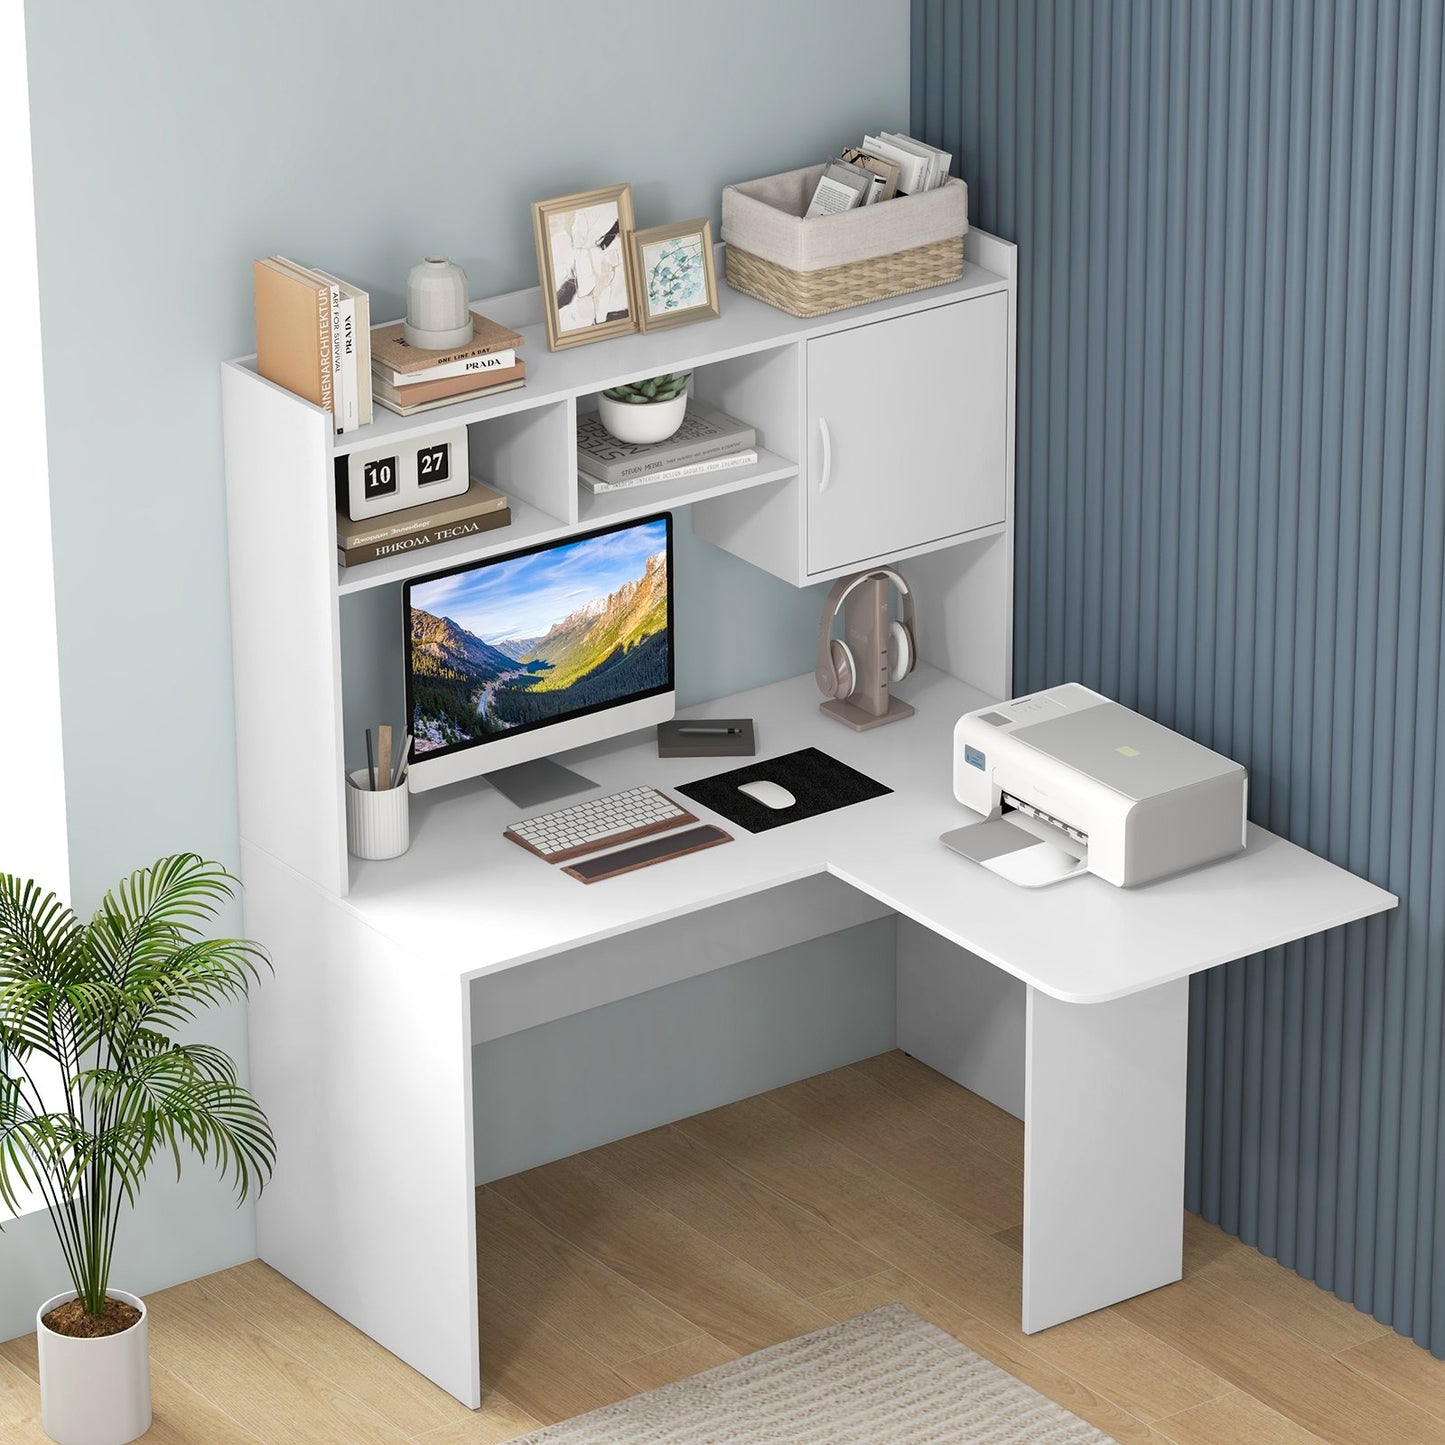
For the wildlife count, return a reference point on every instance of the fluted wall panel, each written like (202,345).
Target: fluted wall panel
(1231,504)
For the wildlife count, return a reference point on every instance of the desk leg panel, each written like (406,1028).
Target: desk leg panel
(1103,1151)
(361,1060)
(962,1017)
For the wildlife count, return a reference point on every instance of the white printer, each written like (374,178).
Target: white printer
(1072,782)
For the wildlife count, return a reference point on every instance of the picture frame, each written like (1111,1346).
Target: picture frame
(584,266)
(674,272)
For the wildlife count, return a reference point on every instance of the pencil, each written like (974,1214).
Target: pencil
(370,761)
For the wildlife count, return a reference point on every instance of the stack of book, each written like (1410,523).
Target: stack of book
(406,380)
(708,440)
(312,337)
(479,509)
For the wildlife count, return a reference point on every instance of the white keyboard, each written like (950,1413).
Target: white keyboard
(598,823)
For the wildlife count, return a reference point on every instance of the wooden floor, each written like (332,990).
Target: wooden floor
(653,1258)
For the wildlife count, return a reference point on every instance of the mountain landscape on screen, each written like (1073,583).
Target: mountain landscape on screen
(609,647)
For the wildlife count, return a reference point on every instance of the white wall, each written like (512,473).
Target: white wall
(32,820)
(174,141)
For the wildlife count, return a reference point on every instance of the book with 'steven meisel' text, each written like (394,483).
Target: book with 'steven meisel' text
(705,432)
(743,457)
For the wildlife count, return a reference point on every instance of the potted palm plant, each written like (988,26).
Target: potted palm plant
(95,1088)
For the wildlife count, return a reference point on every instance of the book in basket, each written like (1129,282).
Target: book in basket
(705,433)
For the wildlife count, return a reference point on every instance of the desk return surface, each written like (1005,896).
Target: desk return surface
(465,900)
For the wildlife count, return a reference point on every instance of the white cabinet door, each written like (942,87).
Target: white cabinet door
(907,431)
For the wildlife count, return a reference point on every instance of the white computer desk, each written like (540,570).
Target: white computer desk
(373,1211)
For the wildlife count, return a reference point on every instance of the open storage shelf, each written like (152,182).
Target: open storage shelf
(597,509)
(529,524)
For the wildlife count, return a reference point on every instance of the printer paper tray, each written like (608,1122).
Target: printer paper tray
(1022,849)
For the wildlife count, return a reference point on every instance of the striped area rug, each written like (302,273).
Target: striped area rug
(885,1378)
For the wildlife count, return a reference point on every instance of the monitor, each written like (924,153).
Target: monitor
(517,657)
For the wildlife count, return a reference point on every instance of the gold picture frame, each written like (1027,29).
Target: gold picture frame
(674,274)
(584,264)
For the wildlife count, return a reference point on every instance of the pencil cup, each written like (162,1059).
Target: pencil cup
(378,824)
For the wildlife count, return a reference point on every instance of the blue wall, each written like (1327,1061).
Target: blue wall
(1231,495)
(173,142)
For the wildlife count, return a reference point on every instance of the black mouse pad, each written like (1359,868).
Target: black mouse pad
(818,783)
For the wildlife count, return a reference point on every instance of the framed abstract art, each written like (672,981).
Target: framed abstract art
(583,267)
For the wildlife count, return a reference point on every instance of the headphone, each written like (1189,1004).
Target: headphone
(836,671)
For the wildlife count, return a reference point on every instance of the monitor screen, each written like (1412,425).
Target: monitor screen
(515,645)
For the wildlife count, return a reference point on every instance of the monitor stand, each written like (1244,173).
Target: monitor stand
(529,785)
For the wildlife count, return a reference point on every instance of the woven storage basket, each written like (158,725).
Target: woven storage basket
(808,268)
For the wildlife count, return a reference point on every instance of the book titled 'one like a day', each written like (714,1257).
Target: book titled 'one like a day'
(405,379)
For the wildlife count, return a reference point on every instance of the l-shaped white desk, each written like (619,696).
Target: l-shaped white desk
(468,937)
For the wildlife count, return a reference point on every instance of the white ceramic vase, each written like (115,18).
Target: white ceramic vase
(437,318)
(95,1392)
(641,423)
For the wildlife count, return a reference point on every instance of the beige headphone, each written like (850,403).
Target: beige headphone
(836,671)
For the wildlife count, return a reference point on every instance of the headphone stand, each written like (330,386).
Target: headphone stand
(866,630)
(860,721)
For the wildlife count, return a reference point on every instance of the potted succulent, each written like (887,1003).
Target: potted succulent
(95,1088)
(645,411)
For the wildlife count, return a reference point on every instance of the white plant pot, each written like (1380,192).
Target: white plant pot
(642,422)
(95,1392)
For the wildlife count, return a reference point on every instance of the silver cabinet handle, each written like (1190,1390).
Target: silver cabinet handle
(827,455)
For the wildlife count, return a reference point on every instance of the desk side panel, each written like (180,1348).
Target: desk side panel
(285,627)
(1103,1151)
(962,1017)
(362,1062)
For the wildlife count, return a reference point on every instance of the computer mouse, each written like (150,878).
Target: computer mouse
(770,795)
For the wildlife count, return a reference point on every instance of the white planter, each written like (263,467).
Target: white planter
(642,422)
(95,1392)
